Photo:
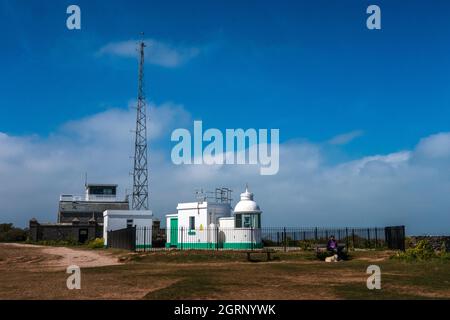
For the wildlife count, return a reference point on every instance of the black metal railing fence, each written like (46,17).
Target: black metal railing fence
(278,238)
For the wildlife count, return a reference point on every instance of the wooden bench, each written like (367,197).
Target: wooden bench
(267,252)
(323,248)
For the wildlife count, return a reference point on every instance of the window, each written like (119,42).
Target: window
(238,220)
(99,190)
(191,223)
(247,222)
(129,223)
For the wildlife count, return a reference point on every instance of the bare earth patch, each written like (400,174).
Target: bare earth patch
(57,258)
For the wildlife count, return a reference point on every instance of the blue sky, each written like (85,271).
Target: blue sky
(310,68)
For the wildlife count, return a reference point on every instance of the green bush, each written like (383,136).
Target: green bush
(9,233)
(268,243)
(97,243)
(445,256)
(408,242)
(321,255)
(422,251)
(306,244)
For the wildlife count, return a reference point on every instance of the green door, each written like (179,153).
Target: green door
(173,232)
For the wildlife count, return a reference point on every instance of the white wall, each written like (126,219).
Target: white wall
(117,219)
(206,217)
(210,216)
(226,223)
(239,235)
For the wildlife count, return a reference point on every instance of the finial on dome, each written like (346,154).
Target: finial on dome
(246,195)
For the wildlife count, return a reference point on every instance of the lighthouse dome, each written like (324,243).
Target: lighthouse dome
(247,204)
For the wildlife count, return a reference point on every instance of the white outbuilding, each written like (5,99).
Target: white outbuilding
(121,219)
(211,223)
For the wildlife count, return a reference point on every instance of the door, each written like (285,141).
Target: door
(173,232)
(82,235)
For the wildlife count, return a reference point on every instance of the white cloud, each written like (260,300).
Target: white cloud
(156,52)
(346,138)
(436,146)
(406,187)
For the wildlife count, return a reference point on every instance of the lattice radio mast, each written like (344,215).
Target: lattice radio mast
(140,173)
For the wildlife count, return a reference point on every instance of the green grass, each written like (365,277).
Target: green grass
(192,256)
(403,280)
(201,284)
(400,279)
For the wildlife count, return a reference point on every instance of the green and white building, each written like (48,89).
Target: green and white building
(214,224)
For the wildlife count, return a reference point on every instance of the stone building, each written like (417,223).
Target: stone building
(97,199)
(80,217)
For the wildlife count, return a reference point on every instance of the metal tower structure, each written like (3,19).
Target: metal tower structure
(140,172)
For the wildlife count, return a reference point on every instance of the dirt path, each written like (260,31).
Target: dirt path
(56,258)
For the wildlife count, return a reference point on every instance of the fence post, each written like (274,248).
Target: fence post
(368,236)
(133,237)
(353,238)
(315,234)
(346,239)
(181,236)
(402,238)
(148,241)
(217,238)
(145,239)
(376,238)
(285,239)
(251,231)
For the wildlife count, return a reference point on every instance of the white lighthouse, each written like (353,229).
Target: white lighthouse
(210,223)
(247,213)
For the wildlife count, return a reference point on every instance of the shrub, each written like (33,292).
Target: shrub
(321,255)
(9,233)
(422,251)
(306,244)
(97,243)
(268,243)
(408,242)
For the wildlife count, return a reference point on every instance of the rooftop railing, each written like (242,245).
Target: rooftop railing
(91,197)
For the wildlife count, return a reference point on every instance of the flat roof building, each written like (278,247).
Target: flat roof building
(90,206)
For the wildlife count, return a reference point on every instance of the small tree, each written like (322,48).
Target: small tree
(9,233)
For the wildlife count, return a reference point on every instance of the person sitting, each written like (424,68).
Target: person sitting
(332,246)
